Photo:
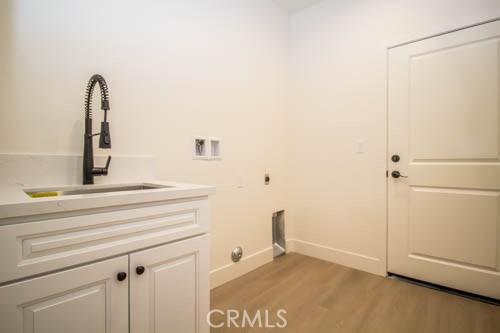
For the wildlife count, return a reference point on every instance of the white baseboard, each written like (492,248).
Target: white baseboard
(341,257)
(232,271)
(229,272)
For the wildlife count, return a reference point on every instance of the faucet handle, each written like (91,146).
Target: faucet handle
(102,171)
(107,163)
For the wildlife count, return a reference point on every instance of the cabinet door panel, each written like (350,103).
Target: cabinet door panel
(81,300)
(172,295)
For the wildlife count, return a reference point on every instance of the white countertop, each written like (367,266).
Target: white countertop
(14,202)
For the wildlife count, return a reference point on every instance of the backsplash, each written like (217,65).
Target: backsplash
(51,170)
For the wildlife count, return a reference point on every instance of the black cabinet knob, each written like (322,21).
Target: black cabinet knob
(395,158)
(121,276)
(140,270)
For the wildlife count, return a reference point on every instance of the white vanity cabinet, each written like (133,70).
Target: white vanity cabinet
(138,268)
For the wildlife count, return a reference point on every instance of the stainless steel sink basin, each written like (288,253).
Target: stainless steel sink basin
(79,190)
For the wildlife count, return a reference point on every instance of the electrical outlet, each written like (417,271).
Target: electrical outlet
(240,181)
(361,146)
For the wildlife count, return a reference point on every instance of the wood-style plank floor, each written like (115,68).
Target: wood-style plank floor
(323,297)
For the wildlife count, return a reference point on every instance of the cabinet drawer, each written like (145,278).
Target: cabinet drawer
(47,244)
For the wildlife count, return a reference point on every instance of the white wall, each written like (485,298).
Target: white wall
(176,69)
(181,68)
(338,98)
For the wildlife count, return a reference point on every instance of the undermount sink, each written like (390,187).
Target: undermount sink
(79,190)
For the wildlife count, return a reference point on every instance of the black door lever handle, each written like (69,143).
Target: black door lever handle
(397,174)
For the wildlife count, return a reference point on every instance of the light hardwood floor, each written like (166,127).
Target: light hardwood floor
(323,297)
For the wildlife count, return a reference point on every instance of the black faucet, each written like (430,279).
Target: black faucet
(105,138)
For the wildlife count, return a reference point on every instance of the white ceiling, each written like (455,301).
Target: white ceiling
(294,6)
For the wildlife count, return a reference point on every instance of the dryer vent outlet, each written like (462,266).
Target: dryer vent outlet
(279,243)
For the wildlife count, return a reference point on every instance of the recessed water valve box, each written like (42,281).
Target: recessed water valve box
(207,148)
(200,148)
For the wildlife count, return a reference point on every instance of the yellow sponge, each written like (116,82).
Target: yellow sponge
(43,194)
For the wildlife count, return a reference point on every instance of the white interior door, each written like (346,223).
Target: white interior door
(169,288)
(81,300)
(444,123)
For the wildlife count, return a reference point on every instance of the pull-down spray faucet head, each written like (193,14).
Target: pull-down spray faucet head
(105,136)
